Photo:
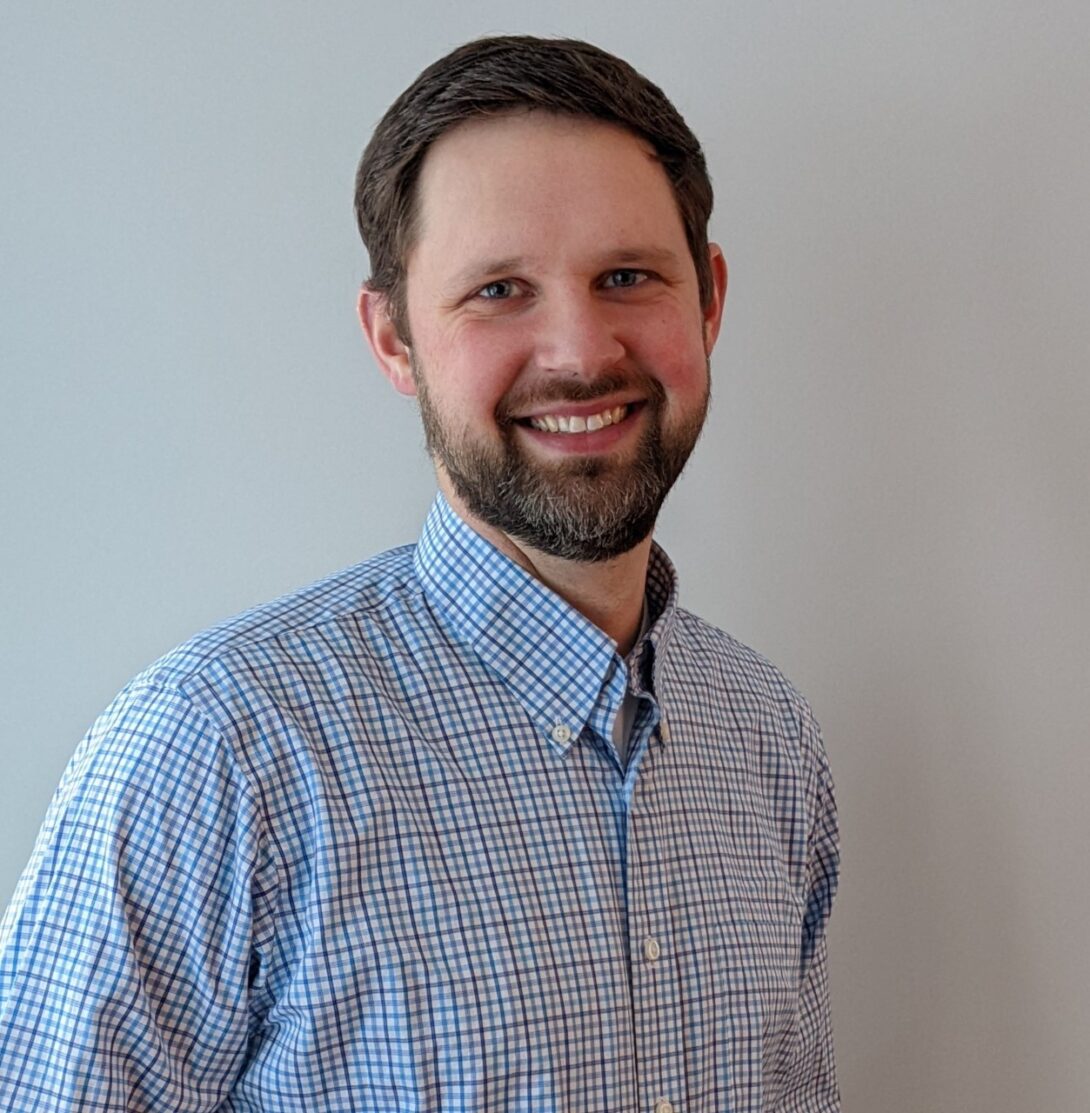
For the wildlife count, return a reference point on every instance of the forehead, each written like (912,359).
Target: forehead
(539,181)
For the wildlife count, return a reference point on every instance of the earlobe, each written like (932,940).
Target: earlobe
(713,313)
(390,351)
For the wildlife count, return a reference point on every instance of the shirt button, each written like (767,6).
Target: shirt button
(560,733)
(651,949)
(664,1106)
(664,730)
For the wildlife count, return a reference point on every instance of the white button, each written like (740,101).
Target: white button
(560,733)
(664,730)
(664,1106)
(651,949)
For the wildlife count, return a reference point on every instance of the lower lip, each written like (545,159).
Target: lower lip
(586,443)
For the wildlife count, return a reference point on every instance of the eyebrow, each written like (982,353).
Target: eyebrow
(480,272)
(489,268)
(654,256)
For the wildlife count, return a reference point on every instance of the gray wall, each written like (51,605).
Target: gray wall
(890,501)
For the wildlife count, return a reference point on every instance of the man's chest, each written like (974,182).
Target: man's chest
(486,921)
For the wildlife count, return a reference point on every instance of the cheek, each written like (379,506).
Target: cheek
(675,353)
(471,369)
(487,360)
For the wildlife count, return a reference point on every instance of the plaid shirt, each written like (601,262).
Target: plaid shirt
(370,847)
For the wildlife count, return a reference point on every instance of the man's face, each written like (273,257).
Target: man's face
(558,347)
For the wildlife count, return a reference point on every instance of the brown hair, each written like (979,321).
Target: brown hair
(503,74)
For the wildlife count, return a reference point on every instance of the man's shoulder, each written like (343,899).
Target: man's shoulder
(719,660)
(239,703)
(306,617)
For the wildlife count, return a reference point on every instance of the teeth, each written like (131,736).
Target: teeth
(558,423)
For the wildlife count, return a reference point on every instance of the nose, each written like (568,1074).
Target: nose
(578,335)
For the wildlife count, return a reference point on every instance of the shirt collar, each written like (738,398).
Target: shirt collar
(647,656)
(556,661)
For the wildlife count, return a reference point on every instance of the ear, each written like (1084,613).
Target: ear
(713,313)
(389,350)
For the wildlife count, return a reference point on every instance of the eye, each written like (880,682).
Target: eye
(499,290)
(624,279)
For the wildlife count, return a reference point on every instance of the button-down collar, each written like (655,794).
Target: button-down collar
(562,668)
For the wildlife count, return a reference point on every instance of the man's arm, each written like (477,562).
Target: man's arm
(126,955)
(813,1086)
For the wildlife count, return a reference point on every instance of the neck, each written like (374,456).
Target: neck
(609,593)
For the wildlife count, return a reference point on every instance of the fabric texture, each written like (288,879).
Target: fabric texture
(370,847)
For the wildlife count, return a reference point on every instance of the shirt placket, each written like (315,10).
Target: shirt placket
(656,993)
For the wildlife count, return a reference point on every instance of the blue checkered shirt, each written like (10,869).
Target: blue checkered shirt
(370,847)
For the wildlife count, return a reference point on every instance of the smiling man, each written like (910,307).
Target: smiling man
(559,345)
(490,822)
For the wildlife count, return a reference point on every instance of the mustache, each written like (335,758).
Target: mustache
(575,391)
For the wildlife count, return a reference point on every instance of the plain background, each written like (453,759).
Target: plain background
(890,499)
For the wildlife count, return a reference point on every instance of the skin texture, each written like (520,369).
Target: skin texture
(551,276)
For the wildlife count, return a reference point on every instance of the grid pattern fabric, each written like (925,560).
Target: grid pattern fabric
(371,847)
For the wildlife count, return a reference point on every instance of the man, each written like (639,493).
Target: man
(489,823)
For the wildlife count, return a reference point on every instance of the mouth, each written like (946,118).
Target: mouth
(579,423)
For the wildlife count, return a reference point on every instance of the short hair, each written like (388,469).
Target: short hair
(500,75)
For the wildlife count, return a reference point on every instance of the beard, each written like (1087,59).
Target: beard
(590,509)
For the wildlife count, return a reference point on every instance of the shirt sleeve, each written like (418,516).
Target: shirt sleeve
(814,1088)
(126,956)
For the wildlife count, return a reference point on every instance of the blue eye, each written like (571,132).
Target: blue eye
(624,278)
(495,291)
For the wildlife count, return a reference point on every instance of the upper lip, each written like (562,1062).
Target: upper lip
(561,408)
